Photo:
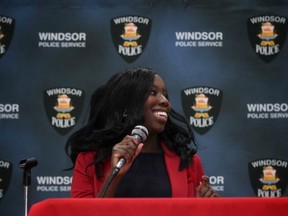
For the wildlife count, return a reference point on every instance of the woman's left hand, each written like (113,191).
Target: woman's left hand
(204,189)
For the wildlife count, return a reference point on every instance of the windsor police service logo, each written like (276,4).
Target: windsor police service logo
(63,107)
(268,177)
(267,35)
(7,25)
(130,35)
(201,106)
(5,176)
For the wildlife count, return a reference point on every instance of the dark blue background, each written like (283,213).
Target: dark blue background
(26,70)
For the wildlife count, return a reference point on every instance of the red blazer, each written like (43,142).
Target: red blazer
(85,183)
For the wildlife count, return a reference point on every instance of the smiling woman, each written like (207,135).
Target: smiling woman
(163,165)
(156,108)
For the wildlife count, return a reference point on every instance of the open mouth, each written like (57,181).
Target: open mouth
(161,115)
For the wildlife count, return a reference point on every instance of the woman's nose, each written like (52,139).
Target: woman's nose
(163,101)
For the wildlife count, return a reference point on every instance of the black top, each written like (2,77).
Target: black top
(147,177)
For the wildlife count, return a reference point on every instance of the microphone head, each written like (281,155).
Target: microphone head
(140,132)
(27,164)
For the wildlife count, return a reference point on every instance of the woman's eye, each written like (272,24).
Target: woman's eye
(153,92)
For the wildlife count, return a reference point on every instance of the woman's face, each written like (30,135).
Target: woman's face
(156,107)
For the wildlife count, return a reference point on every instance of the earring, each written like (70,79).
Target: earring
(124,115)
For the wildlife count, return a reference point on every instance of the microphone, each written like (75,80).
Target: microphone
(139,133)
(28,164)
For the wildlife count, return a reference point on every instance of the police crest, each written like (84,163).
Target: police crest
(268,177)
(267,35)
(63,107)
(130,35)
(201,106)
(5,176)
(7,25)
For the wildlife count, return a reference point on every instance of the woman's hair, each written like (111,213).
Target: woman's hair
(115,108)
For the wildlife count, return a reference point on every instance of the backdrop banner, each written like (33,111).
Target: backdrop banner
(224,64)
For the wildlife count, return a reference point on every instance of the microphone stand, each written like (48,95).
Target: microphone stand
(27,165)
(26,183)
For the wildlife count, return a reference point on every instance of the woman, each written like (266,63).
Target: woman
(164,165)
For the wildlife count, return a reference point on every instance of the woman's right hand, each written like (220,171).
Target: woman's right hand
(128,148)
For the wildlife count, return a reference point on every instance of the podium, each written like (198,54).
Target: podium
(161,207)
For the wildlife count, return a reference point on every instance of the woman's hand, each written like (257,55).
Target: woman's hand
(204,189)
(128,148)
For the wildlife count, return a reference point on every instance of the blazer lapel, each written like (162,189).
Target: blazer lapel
(178,179)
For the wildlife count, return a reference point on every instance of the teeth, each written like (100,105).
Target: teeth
(161,113)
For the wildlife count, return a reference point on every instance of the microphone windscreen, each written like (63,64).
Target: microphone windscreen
(140,132)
